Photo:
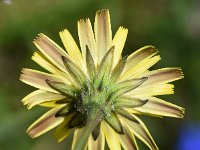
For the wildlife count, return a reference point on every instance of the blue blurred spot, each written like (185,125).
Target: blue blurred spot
(189,138)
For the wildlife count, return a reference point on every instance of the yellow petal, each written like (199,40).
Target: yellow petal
(133,111)
(137,59)
(45,123)
(62,130)
(127,140)
(139,55)
(103,33)
(99,144)
(139,68)
(86,37)
(140,131)
(38,79)
(111,136)
(72,49)
(152,90)
(50,104)
(39,96)
(158,107)
(51,50)
(119,41)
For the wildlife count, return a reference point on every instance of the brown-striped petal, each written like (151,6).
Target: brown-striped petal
(50,50)
(164,75)
(45,123)
(103,33)
(38,79)
(158,107)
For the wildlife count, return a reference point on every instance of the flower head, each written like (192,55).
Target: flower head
(94,92)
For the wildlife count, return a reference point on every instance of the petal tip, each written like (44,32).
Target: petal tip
(102,11)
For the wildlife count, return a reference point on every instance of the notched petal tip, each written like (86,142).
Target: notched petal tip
(102,12)
(149,48)
(124,28)
(83,20)
(180,73)
(21,74)
(31,135)
(181,112)
(38,37)
(178,111)
(62,31)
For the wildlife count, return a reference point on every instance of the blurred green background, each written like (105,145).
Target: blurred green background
(173,26)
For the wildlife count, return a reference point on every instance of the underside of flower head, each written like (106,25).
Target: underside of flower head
(94,92)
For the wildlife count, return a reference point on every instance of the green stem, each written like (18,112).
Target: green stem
(92,120)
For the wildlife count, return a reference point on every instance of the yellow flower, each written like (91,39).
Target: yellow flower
(94,91)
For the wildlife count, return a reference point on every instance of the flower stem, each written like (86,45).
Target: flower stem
(92,121)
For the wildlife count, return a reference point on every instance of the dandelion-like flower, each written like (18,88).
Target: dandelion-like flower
(95,93)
